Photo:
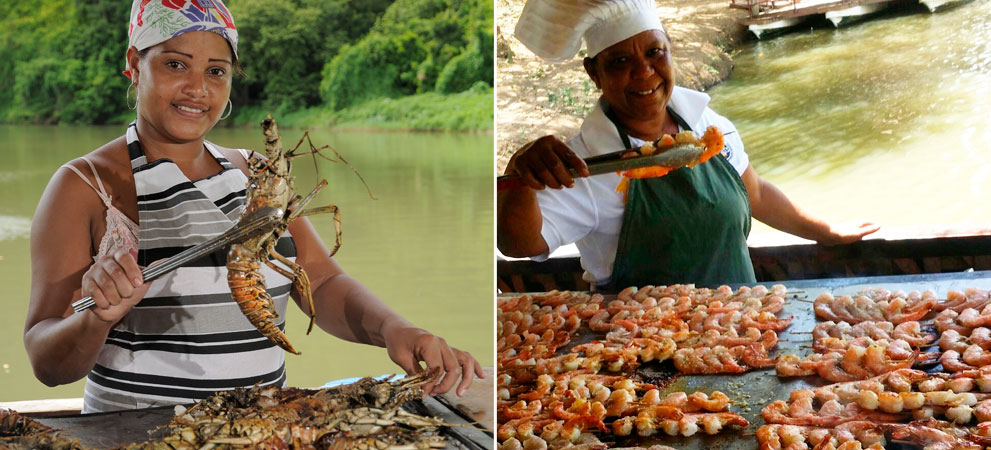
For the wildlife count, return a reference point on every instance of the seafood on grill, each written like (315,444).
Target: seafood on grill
(365,414)
(970,298)
(929,434)
(547,399)
(911,332)
(22,433)
(857,362)
(875,304)
(904,394)
(271,185)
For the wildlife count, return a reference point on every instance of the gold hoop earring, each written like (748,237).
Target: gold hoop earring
(231,105)
(127,98)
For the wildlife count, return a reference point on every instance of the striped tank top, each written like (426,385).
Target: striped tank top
(187,338)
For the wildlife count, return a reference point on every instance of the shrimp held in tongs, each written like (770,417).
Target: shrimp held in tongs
(712,143)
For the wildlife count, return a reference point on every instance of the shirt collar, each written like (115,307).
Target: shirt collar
(600,135)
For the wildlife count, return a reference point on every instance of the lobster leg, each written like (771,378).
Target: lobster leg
(298,211)
(300,280)
(337,221)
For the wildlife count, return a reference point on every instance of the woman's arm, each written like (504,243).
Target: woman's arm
(539,164)
(61,345)
(771,206)
(348,310)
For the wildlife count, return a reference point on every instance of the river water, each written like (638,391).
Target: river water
(424,246)
(887,120)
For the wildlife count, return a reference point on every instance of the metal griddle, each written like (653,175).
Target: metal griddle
(754,390)
(472,416)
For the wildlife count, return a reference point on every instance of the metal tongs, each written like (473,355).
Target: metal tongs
(249,226)
(674,157)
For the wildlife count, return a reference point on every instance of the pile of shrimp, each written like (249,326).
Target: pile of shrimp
(727,331)
(964,323)
(911,332)
(874,332)
(933,405)
(564,407)
(929,434)
(547,396)
(876,304)
(854,359)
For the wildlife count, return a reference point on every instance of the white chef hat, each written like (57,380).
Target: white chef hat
(553,29)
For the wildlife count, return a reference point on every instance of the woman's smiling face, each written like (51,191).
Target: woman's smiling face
(183,84)
(636,77)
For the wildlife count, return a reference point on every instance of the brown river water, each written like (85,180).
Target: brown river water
(887,120)
(425,246)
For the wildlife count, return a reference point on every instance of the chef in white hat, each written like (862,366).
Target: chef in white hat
(689,226)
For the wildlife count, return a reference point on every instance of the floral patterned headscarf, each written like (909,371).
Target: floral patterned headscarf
(156,21)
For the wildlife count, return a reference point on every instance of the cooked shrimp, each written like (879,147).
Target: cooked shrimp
(789,365)
(831,371)
(947,320)
(981,336)
(623,426)
(913,400)
(959,414)
(521,410)
(911,332)
(779,412)
(715,402)
(952,340)
(983,411)
(618,402)
(951,361)
(929,438)
(960,384)
(901,380)
(973,318)
(976,356)
(764,321)
(649,420)
(853,362)
(768,438)
(932,384)
(971,298)
(890,402)
(876,360)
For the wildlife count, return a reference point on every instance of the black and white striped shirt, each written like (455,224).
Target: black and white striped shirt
(187,338)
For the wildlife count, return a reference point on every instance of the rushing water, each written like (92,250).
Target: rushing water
(424,246)
(888,119)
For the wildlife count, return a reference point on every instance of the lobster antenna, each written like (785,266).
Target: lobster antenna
(315,151)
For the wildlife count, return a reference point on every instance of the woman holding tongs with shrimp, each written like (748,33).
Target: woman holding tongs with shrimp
(688,226)
(151,193)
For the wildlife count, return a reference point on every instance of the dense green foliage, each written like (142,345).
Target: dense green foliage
(48,74)
(61,63)
(408,50)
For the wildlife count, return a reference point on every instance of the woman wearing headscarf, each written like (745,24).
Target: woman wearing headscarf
(689,226)
(152,193)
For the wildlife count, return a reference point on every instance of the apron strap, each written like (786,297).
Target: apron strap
(625,136)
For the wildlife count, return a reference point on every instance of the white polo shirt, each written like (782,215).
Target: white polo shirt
(591,214)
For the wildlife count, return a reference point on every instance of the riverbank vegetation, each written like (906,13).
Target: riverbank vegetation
(409,64)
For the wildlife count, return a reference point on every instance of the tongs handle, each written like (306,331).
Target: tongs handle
(262,220)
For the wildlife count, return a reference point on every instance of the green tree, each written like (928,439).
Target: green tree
(407,50)
(284,45)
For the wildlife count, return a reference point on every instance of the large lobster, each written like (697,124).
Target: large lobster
(271,185)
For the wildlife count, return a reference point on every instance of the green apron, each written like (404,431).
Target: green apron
(689,226)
